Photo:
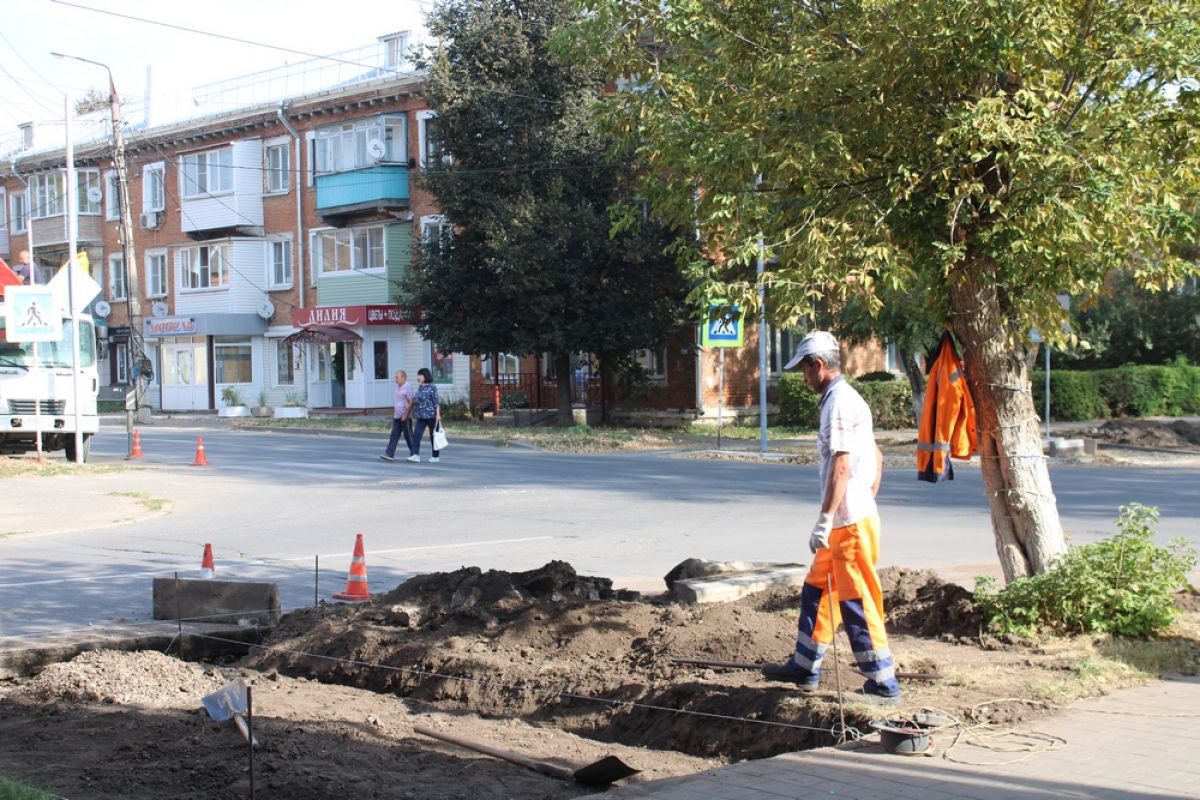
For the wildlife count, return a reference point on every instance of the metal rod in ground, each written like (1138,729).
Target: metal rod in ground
(837,672)
(179,615)
(250,727)
(316,580)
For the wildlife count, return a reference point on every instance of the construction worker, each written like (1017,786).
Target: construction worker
(845,539)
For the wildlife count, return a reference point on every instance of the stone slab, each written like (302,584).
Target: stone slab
(217,601)
(733,586)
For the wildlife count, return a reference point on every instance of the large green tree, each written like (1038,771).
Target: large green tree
(996,152)
(532,265)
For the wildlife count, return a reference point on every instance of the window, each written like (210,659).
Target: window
(112,195)
(204,267)
(20,212)
(285,363)
(441,364)
(277,164)
(350,145)
(783,344)
(510,365)
(351,360)
(348,249)
(154,195)
(3,211)
(47,192)
(87,191)
(432,152)
(381,360)
(208,173)
(279,263)
(231,360)
(156,273)
(116,278)
(654,362)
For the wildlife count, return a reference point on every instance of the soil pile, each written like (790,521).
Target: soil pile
(918,602)
(1150,433)
(145,679)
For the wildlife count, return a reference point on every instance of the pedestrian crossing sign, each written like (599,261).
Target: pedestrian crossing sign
(32,314)
(722,326)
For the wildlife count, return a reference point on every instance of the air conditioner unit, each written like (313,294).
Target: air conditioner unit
(150,220)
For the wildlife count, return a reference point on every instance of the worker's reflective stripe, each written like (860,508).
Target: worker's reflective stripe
(809,654)
(928,447)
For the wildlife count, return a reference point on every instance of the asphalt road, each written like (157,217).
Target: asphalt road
(273,505)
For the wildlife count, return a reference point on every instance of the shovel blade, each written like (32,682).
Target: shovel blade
(227,701)
(603,772)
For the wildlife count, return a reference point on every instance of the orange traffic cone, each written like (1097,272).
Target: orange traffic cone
(200,461)
(356,582)
(136,452)
(207,568)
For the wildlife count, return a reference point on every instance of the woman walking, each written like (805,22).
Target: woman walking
(427,411)
(401,417)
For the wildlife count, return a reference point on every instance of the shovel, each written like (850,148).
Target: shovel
(230,702)
(601,773)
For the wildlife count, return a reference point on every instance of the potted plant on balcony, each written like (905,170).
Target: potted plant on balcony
(234,406)
(293,407)
(262,409)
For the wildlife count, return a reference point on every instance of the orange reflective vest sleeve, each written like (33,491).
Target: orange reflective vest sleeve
(948,417)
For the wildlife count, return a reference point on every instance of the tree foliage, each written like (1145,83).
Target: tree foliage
(988,153)
(532,265)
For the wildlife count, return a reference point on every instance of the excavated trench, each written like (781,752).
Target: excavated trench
(556,648)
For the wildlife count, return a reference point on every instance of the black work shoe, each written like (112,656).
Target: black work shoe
(787,672)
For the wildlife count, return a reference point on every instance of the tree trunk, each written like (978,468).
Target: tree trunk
(562,368)
(916,381)
(1016,479)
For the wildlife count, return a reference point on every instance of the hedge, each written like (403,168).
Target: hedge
(1129,391)
(890,402)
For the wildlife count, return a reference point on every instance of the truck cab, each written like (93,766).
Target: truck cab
(37,392)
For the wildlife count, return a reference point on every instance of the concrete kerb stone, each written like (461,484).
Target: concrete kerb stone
(212,601)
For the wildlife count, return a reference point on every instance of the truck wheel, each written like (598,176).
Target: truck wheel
(87,447)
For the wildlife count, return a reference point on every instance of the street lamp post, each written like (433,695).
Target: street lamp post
(128,250)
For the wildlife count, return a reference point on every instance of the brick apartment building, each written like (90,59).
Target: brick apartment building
(270,241)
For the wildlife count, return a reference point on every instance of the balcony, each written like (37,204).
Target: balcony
(374,190)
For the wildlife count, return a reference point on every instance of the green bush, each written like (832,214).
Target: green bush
(514,399)
(11,789)
(797,402)
(1129,391)
(879,376)
(1124,586)
(456,411)
(1073,395)
(890,402)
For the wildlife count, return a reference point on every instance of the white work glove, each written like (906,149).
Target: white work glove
(820,533)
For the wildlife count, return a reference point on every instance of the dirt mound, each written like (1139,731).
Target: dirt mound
(1150,433)
(146,679)
(918,602)
(496,591)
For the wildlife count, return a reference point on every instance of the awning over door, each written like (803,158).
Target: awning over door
(315,334)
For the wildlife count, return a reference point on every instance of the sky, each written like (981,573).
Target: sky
(32,82)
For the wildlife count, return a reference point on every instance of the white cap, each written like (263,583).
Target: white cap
(815,343)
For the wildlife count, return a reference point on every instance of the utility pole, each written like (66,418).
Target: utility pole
(137,352)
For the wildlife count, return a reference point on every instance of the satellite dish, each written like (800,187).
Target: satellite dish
(266,309)
(102,308)
(159,309)
(94,194)
(376,148)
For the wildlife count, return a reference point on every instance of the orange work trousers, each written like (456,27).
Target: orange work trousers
(857,603)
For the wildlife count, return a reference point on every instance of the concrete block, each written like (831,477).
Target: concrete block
(216,601)
(1066,447)
(734,586)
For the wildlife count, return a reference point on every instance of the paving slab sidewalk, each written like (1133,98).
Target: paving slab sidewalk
(1138,743)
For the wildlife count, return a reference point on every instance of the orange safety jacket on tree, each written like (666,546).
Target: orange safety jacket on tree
(948,417)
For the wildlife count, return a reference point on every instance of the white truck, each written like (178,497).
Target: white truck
(37,393)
